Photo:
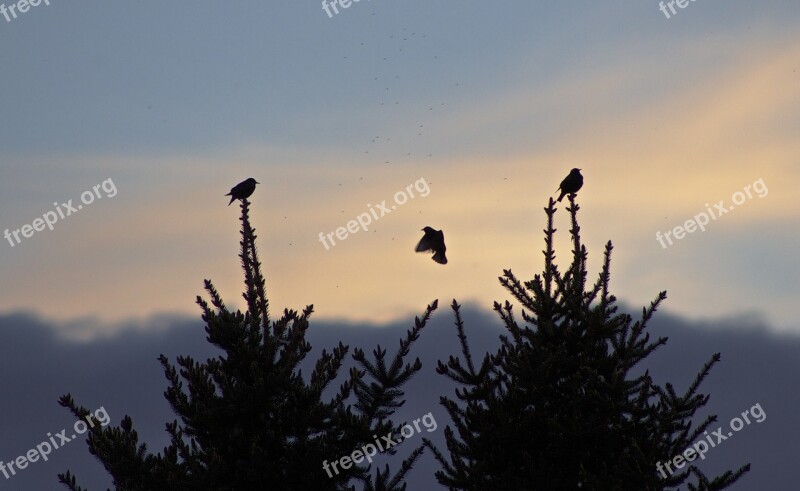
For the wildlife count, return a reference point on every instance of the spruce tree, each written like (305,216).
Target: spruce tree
(249,420)
(559,406)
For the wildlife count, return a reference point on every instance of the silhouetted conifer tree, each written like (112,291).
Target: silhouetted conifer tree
(248,418)
(557,407)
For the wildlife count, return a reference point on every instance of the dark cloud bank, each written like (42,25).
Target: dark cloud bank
(121,374)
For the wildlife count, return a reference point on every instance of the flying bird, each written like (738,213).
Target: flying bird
(433,240)
(571,184)
(242,190)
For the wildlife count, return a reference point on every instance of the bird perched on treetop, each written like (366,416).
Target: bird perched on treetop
(571,184)
(242,190)
(433,240)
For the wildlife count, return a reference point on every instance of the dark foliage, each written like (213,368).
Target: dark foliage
(558,406)
(248,419)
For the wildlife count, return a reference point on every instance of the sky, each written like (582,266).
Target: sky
(124,124)
(488,108)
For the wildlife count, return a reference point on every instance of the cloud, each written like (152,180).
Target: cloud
(121,374)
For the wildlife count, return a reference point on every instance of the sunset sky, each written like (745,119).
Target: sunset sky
(491,104)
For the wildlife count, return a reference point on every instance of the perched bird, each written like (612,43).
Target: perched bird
(242,190)
(433,240)
(571,184)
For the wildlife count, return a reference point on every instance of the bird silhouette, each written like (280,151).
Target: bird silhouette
(571,184)
(242,190)
(433,240)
